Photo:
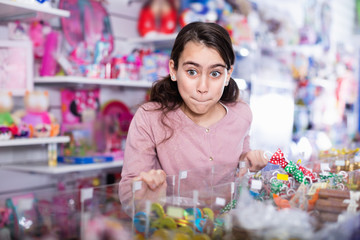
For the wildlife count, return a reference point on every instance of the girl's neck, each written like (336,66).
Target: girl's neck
(208,119)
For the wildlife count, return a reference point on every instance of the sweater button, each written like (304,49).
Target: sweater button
(211,159)
(207,130)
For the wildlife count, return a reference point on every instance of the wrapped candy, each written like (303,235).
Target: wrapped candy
(308,173)
(277,186)
(278,159)
(299,173)
(290,168)
(299,176)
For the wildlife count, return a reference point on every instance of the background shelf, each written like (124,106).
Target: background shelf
(13,10)
(70,80)
(170,38)
(43,168)
(33,141)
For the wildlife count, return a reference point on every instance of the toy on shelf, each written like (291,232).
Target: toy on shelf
(7,125)
(201,10)
(117,117)
(79,106)
(36,116)
(88,36)
(154,11)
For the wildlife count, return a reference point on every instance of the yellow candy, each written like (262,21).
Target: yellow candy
(209,213)
(161,234)
(181,236)
(201,237)
(166,222)
(158,210)
(186,230)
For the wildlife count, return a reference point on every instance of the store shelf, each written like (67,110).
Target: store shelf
(157,41)
(154,38)
(14,10)
(61,168)
(33,141)
(70,80)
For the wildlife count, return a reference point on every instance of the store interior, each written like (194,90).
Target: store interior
(74,72)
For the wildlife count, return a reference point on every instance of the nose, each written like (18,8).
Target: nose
(202,86)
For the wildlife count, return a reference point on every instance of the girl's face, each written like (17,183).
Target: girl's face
(201,77)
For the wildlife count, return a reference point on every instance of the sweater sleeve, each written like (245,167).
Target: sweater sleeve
(140,154)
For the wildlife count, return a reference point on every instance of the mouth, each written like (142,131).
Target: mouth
(201,100)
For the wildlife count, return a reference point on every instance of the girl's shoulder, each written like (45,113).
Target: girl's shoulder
(150,106)
(239,106)
(240,109)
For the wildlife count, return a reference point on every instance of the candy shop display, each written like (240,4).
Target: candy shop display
(219,202)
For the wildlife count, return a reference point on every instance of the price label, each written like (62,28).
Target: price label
(220,201)
(183,174)
(325,167)
(256,184)
(340,163)
(86,193)
(137,185)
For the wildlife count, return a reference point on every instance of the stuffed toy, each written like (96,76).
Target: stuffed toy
(7,124)
(40,122)
(157,16)
(202,11)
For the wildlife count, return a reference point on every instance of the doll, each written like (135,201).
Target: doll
(36,116)
(7,124)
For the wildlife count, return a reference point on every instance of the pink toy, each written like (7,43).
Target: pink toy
(117,118)
(36,115)
(48,65)
(79,105)
(88,22)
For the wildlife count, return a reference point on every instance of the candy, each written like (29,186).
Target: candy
(208,213)
(229,206)
(299,176)
(276,157)
(157,210)
(140,221)
(290,168)
(276,186)
(307,173)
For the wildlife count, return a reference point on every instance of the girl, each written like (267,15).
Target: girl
(194,119)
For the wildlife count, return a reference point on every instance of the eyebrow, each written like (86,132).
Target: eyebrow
(198,65)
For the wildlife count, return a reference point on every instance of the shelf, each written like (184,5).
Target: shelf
(154,39)
(157,41)
(33,141)
(13,10)
(70,80)
(62,168)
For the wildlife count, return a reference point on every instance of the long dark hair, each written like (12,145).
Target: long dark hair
(212,35)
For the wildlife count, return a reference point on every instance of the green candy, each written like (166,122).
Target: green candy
(276,186)
(290,167)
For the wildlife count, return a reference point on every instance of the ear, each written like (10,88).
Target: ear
(46,93)
(228,76)
(172,70)
(10,94)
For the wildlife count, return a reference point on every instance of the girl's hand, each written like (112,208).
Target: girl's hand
(255,159)
(153,178)
(153,188)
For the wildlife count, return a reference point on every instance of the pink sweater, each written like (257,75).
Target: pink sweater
(191,147)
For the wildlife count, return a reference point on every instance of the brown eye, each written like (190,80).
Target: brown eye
(215,74)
